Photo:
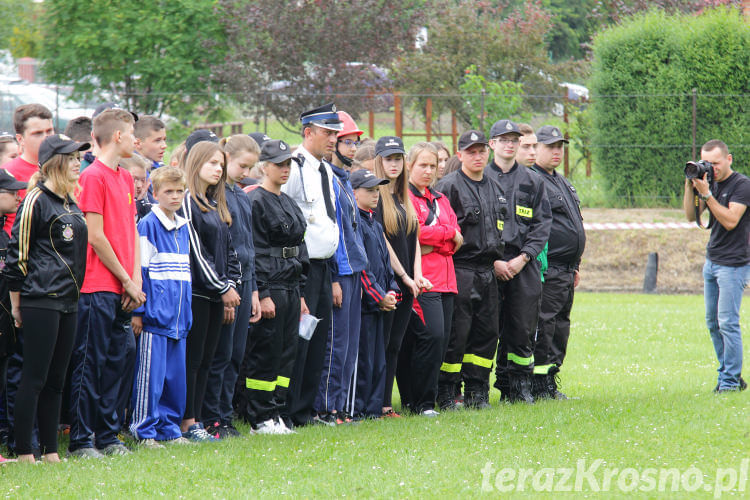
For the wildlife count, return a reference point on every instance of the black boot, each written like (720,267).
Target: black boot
(477,397)
(553,382)
(446,397)
(540,387)
(503,385)
(520,388)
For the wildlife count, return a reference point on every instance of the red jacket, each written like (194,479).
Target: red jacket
(437,225)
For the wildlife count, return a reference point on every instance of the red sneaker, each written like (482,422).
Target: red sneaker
(389,413)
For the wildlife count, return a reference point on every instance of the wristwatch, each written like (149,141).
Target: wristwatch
(706,196)
(526,256)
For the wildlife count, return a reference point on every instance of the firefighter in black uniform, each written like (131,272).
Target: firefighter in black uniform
(480,208)
(566,243)
(526,230)
(281,266)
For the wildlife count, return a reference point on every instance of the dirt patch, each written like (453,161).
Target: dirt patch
(615,260)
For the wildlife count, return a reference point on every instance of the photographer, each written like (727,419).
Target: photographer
(727,265)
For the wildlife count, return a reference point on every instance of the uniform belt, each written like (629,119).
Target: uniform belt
(283,252)
(560,265)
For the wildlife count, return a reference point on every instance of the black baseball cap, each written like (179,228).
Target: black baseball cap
(197,136)
(469,138)
(502,127)
(324,116)
(110,105)
(10,183)
(276,151)
(59,144)
(259,137)
(389,145)
(550,135)
(363,178)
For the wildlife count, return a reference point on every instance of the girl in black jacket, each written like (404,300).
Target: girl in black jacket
(44,269)
(215,273)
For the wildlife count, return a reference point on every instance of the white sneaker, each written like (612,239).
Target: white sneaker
(282,428)
(429,413)
(267,427)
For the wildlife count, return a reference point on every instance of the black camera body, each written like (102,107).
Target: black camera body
(697,169)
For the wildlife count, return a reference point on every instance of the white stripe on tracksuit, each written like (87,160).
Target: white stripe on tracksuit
(140,406)
(205,268)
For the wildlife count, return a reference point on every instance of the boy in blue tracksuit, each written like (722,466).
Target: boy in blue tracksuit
(379,295)
(343,334)
(162,323)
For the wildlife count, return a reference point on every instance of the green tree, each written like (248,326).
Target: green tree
(154,56)
(20,31)
(500,98)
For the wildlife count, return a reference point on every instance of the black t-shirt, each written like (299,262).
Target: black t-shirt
(404,244)
(731,248)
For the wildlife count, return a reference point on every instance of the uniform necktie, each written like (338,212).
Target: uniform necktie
(327,192)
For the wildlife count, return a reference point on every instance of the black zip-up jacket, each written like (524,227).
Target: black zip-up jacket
(46,258)
(481,210)
(213,262)
(527,224)
(567,238)
(7,328)
(241,231)
(278,223)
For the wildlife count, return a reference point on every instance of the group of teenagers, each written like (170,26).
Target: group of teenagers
(284,287)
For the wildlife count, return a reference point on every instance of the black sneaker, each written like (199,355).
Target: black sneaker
(328,419)
(227,430)
(213,429)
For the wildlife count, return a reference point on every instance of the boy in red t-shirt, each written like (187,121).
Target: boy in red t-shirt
(105,346)
(33,123)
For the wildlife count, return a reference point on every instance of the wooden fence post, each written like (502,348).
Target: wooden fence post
(428,119)
(454,130)
(398,117)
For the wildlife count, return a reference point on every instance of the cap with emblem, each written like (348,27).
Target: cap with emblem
(199,135)
(259,137)
(550,135)
(324,116)
(110,105)
(9,183)
(59,144)
(275,151)
(389,145)
(502,127)
(469,138)
(365,179)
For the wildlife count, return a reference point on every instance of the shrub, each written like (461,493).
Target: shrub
(643,74)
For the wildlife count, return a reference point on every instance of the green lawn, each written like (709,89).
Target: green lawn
(640,367)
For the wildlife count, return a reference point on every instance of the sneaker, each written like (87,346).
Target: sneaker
(282,428)
(429,413)
(179,440)
(328,419)
(390,413)
(115,449)
(227,430)
(198,434)
(150,443)
(4,460)
(268,427)
(213,429)
(85,453)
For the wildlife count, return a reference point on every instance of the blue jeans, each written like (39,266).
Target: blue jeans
(723,287)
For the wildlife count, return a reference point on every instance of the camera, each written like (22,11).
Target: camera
(697,169)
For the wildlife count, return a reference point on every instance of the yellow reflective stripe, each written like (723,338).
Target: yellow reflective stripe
(260,385)
(500,225)
(450,367)
(519,360)
(542,369)
(473,359)
(524,211)
(282,381)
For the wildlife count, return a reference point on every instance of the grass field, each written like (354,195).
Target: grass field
(641,369)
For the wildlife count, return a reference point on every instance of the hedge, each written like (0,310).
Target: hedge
(643,74)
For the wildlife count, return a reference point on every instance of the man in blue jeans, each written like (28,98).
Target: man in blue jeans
(727,266)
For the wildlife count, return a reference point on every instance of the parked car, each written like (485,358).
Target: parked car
(14,93)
